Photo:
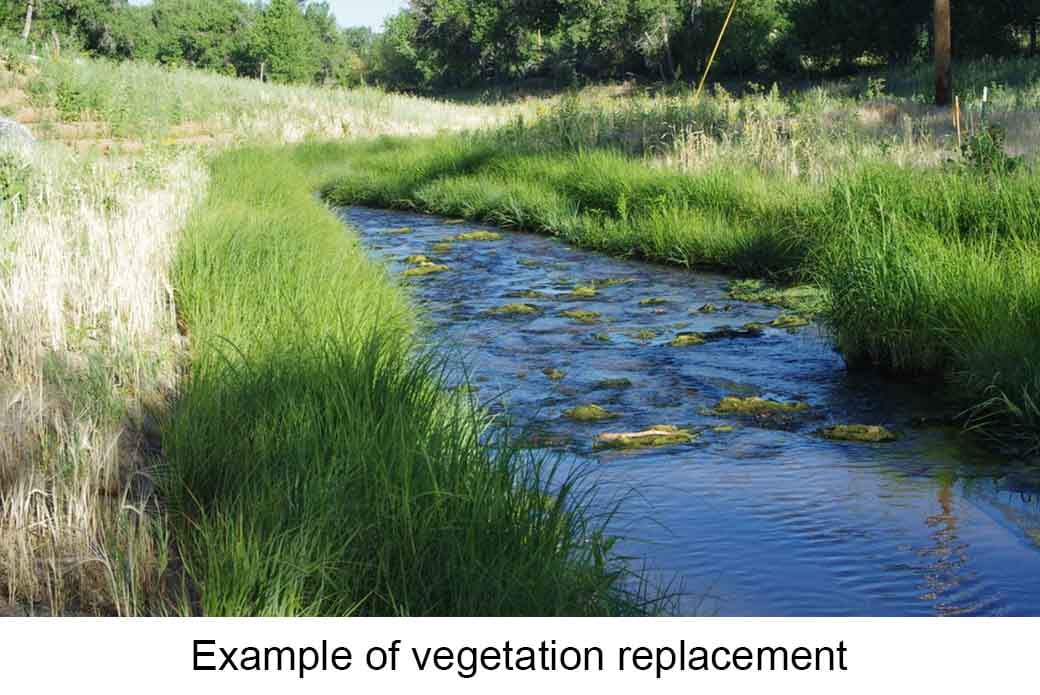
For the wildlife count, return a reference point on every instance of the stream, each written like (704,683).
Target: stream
(755,516)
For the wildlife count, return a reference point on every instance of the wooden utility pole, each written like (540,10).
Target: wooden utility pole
(29,8)
(943,58)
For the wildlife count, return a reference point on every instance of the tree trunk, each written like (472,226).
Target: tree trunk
(29,8)
(943,58)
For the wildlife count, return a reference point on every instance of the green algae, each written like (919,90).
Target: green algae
(656,436)
(427,268)
(582,315)
(613,384)
(653,301)
(589,413)
(513,310)
(604,283)
(804,299)
(687,340)
(478,236)
(789,321)
(528,294)
(755,406)
(554,374)
(582,292)
(869,434)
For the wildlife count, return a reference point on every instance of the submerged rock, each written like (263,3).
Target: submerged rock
(656,436)
(478,236)
(723,429)
(707,309)
(873,434)
(399,230)
(528,294)
(687,340)
(582,315)
(529,263)
(653,301)
(554,374)
(442,247)
(645,334)
(589,413)
(514,310)
(603,283)
(602,337)
(613,384)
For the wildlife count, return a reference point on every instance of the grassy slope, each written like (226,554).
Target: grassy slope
(315,465)
(929,271)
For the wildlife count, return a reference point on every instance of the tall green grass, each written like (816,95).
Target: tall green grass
(928,271)
(316,465)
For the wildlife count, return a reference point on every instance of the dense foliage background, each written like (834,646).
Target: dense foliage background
(438,44)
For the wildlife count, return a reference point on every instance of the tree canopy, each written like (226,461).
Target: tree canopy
(444,44)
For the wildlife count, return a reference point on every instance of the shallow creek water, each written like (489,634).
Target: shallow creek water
(751,518)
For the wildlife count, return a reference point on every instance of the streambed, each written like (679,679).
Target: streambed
(756,515)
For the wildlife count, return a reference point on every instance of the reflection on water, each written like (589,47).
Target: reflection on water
(754,517)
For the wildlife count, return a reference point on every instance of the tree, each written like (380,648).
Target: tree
(942,39)
(282,44)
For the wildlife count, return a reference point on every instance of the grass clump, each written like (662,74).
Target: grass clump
(316,465)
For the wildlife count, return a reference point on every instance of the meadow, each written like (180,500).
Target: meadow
(180,316)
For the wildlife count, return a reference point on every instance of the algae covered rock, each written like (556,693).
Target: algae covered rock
(757,407)
(399,230)
(602,338)
(554,374)
(603,283)
(514,310)
(417,260)
(589,413)
(582,315)
(656,436)
(708,309)
(653,301)
(478,236)
(645,334)
(687,340)
(442,247)
(870,434)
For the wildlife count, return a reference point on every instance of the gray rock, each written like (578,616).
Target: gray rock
(14,133)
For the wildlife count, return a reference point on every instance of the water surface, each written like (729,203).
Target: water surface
(758,519)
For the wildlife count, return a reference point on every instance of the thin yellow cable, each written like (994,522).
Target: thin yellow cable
(714,52)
